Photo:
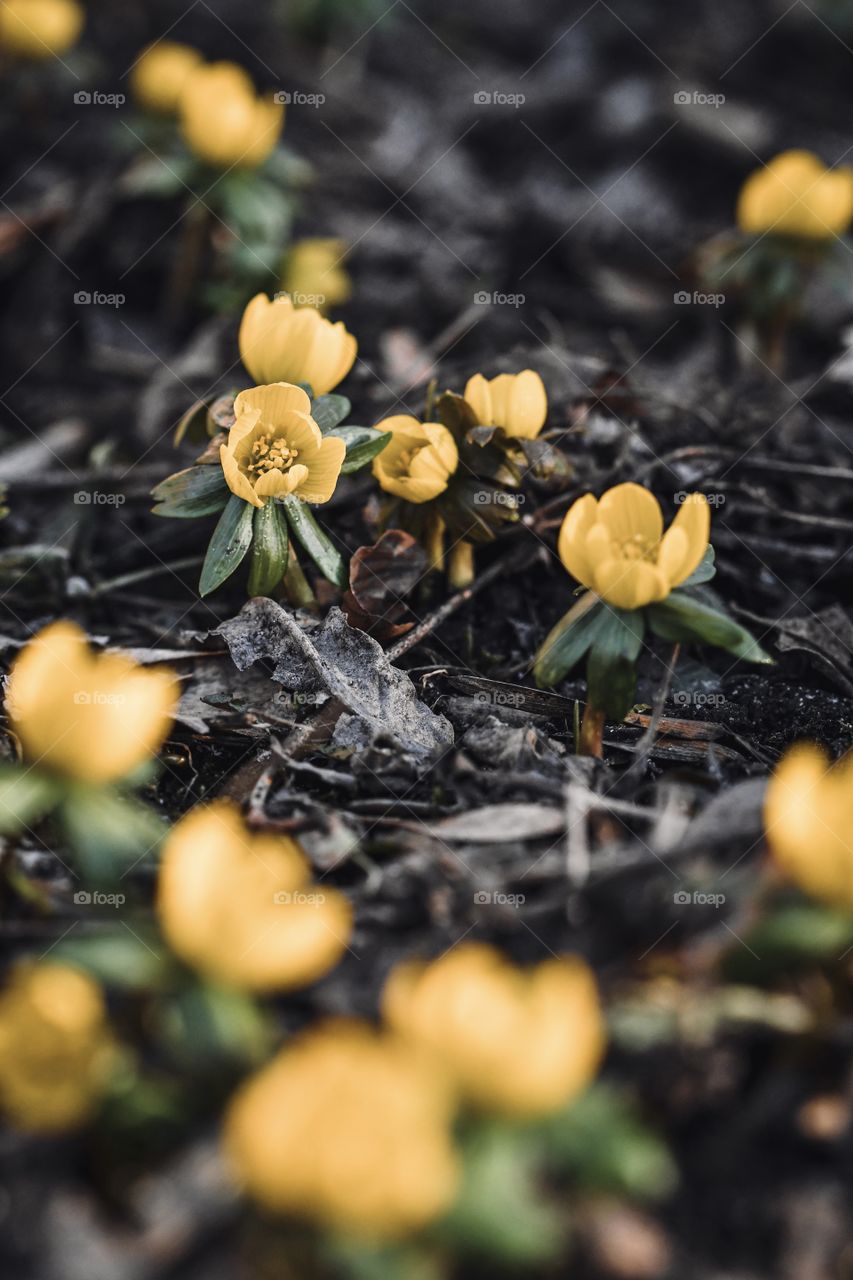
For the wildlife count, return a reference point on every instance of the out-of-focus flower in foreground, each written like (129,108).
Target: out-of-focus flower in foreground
(275,448)
(349,1128)
(314,274)
(39,28)
(808,816)
(796,195)
(90,717)
(514,401)
(240,908)
(56,1050)
(283,343)
(519,1042)
(161,75)
(418,460)
(616,546)
(224,121)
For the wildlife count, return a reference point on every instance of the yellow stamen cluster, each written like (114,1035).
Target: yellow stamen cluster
(270,454)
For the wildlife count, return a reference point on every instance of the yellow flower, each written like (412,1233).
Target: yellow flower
(92,717)
(161,73)
(56,1051)
(808,817)
(418,460)
(515,401)
(280,343)
(522,1043)
(616,545)
(39,28)
(796,195)
(240,908)
(313,274)
(348,1128)
(275,448)
(224,121)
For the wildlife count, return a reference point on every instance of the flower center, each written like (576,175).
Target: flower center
(270,454)
(635,548)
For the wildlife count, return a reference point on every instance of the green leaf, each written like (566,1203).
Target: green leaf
(611,670)
(231,540)
(363,444)
(26,795)
(704,571)
(569,640)
(205,1023)
(328,411)
(790,937)
(316,541)
(683,617)
(109,831)
(600,1142)
(269,549)
(197,491)
(134,961)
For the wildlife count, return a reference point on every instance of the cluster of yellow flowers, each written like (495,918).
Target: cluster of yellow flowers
(796,195)
(223,120)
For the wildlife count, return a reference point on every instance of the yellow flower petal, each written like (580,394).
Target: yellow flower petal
(323,472)
(629,584)
(278,484)
(515,401)
(694,520)
(272,401)
(631,511)
(571,544)
(234,478)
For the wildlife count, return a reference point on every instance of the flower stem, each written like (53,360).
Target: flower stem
(296,587)
(592,732)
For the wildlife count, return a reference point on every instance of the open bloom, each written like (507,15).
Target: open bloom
(617,548)
(518,1042)
(314,275)
(240,908)
(515,401)
(796,195)
(276,448)
(92,717)
(349,1128)
(282,343)
(161,74)
(418,460)
(225,122)
(808,815)
(39,28)
(56,1050)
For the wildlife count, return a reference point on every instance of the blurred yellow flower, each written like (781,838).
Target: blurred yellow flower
(314,275)
(275,448)
(796,195)
(92,717)
(808,816)
(240,907)
(161,73)
(282,343)
(515,401)
(519,1042)
(39,28)
(225,122)
(617,548)
(349,1128)
(418,460)
(56,1050)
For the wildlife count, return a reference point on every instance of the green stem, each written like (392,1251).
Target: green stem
(296,587)
(592,732)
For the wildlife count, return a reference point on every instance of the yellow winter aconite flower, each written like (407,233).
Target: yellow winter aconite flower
(808,816)
(39,28)
(91,717)
(796,195)
(240,908)
(283,343)
(519,1042)
(275,448)
(161,74)
(225,122)
(515,401)
(349,1128)
(418,460)
(313,273)
(56,1051)
(616,546)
